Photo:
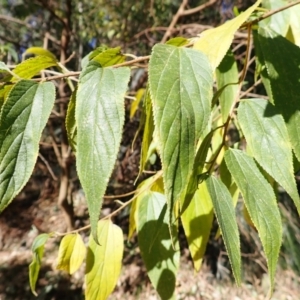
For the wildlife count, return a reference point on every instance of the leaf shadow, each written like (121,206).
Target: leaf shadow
(159,257)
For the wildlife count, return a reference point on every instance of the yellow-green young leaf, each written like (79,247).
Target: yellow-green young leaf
(261,204)
(295,24)
(181,90)
(71,253)
(150,184)
(197,222)
(38,252)
(99,115)
(71,125)
(155,244)
(109,57)
(104,261)
(227,75)
(283,76)
(148,131)
(215,42)
(135,104)
(23,118)
(33,66)
(177,41)
(38,51)
(267,138)
(224,210)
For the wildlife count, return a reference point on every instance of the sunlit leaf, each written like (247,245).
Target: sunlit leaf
(109,57)
(156,246)
(23,118)
(148,131)
(224,210)
(177,41)
(38,252)
(261,204)
(33,66)
(104,261)
(267,138)
(181,89)
(216,41)
(100,118)
(135,104)
(71,253)
(40,51)
(197,222)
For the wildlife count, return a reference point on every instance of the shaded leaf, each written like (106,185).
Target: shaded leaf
(38,252)
(216,41)
(100,118)
(261,204)
(151,184)
(71,253)
(104,261)
(268,141)
(227,75)
(33,66)
(140,94)
(181,89)
(283,76)
(71,125)
(156,247)
(109,57)
(197,222)
(23,118)
(224,210)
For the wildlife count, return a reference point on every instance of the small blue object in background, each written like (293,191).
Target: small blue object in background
(226,10)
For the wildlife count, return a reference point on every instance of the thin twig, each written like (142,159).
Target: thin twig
(269,14)
(174,20)
(43,159)
(198,8)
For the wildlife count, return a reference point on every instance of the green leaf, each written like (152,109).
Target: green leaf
(33,66)
(196,177)
(71,124)
(177,41)
(38,252)
(156,247)
(284,77)
(71,253)
(23,118)
(261,204)
(151,184)
(197,222)
(109,57)
(148,131)
(216,41)
(100,118)
(268,141)
(104,261)
(224,210)
(227,75)
(181,89)
(38,51)
(140,94)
